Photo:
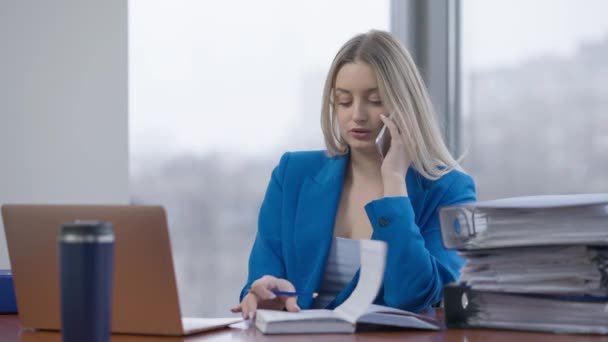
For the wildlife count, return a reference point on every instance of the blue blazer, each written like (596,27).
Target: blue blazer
(296,224)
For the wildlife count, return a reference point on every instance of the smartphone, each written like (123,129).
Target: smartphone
(383,141)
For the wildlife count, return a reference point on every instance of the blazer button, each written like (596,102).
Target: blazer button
(384,222)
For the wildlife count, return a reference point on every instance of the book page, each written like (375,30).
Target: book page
(398,317)
(196,324)
(373,308)
(280,316)
(373,260)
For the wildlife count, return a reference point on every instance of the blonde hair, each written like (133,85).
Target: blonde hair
(404,95)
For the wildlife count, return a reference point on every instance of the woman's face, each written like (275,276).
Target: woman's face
(358,106)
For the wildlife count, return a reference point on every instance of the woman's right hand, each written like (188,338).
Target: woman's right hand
(261,296)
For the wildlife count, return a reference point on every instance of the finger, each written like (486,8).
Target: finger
(285,285)
(264,292)
(236,309)
(263,287)
(291,304)
(247,305)
(250,304)
(392,127)
(253,306)
(244,310)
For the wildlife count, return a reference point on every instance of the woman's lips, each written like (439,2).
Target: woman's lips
(360,133)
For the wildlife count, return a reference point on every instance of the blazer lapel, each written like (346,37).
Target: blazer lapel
(314,223)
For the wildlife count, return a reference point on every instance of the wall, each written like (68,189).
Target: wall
(63,103)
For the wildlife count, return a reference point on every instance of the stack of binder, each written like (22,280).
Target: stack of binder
(532,263)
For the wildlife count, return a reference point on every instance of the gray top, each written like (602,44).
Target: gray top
(342,264)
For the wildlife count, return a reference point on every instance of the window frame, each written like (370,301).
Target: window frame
(430,30)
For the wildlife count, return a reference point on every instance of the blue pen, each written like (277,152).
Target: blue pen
(295,294)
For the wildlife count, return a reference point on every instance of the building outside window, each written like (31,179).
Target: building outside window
(534,105)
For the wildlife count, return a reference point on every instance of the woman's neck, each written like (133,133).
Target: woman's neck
(364,167)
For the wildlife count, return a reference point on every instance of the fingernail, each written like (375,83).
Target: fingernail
(244,314)
(272,296)
(297,307)
(251,315)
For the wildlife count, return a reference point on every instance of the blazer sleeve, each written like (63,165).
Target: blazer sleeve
(266,256)
(417,265)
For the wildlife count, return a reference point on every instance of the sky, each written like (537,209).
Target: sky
(209,75)
(246,76)
(507,32)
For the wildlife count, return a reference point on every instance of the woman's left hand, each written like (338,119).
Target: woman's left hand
(395,163)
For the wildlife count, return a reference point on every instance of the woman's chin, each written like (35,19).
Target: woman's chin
(363,148)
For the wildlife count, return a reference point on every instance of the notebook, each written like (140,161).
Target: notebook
(145,297)
(355,312)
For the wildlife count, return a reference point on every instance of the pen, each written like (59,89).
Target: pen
(295,294)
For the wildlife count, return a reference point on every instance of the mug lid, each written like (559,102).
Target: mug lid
(93,229)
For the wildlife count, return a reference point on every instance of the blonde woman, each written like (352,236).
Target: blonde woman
(320,203)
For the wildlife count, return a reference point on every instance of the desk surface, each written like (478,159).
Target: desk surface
(11,331)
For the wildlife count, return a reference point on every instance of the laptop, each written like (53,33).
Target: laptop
(145,298)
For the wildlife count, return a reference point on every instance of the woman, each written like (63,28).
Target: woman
(319,203)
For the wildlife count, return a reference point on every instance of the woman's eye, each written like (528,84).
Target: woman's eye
(344,103)
(375,102)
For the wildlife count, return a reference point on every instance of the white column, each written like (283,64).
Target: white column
(63,103)
(430,30)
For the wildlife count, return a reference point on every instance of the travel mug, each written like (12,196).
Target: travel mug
(86,251)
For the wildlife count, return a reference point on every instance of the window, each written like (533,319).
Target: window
(218,90)
(534,104)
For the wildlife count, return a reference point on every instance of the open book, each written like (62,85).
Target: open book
(357,309)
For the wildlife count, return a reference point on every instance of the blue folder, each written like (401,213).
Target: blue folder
(8,304)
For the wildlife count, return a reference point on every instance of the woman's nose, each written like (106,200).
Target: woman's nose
(359,113)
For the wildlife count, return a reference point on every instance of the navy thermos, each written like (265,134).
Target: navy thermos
(86,251)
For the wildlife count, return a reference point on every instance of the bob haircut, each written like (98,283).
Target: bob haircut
(403,94)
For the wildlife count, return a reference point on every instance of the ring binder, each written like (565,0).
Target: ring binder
(526,221)
(527,259)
